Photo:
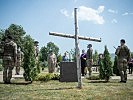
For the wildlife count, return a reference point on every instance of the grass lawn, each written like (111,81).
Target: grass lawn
(55,90)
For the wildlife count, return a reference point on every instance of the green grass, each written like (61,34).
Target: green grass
(55,90)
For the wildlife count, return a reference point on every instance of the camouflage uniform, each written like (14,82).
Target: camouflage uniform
(123,54)
(52,60)
(36,51)
(89,59)
(19,61)
(9,59)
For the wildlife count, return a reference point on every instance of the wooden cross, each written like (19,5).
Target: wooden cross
(76,37)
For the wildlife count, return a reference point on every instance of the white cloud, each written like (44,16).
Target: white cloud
(114,21)
(75,1)
(64,12)
(112,11)
(124,14)
(89,14)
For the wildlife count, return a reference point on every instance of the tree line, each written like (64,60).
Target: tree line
(31,69)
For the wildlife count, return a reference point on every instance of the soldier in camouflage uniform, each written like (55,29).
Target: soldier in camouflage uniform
(89,59)
(36,50)
(52,61)
(9,58)
(19,61)
(123,54)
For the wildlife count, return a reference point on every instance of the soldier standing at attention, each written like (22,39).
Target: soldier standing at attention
(52,61)
(19,61)
(123,54)
(89,58)
(36,51)
(9,58)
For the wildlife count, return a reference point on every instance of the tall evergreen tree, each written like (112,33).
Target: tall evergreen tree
(30,68)
(106,66)
(115,68)
(95,58)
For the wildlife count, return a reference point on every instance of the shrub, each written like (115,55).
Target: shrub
(106,66)
(47,77)
(93,77)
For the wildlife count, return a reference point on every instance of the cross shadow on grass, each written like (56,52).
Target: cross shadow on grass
(103,81)
(98,81)
(64,88)
(18,83)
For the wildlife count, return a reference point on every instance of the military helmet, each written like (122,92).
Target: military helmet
(122,40)
(36,43)
(89,45)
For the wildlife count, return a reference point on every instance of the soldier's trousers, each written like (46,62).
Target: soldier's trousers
(89,65)
(122,66)
(51,67)
(7,73)
(18,67)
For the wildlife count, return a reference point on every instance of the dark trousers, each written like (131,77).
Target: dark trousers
(130,68)
(83,65)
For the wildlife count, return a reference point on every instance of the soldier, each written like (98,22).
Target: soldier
(52,60)
(36,48)
(19,61)
(89,59)
(123,54)
(9,58)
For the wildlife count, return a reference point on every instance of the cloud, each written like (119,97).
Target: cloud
(112,11)
(114,21)
(75,1)
(64,12)
(124,14)
(89,14)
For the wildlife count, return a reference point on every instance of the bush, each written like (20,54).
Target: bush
(106,66)
(1,67)
(31,70)
(47,77)
(93,77)
(115,69)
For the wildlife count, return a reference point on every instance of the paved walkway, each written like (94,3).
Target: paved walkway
(13,76)
(129,76)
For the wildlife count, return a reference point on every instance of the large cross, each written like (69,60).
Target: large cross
(76,37)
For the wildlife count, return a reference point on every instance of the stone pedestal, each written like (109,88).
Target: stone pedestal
(68,72)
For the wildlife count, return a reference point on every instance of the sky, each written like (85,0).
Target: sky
(110,20)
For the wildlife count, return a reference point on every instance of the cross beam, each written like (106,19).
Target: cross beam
(73,36)
(76,37)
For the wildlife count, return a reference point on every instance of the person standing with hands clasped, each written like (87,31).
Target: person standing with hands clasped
(123,54)
(83,62)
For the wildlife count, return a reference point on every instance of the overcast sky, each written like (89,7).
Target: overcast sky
(110,20)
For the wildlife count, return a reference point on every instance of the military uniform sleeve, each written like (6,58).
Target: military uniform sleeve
(15,50)
(117,51)
(128,54)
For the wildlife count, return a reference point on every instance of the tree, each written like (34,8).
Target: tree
(115,68)
(52,47)
(17,32)
(59,58)
(73,54)
(106,66)
(95,58)
(44,51)
(30,68)
(43,54)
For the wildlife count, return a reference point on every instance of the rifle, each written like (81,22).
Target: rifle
(114,47)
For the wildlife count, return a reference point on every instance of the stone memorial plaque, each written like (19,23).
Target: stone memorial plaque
(68,72)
